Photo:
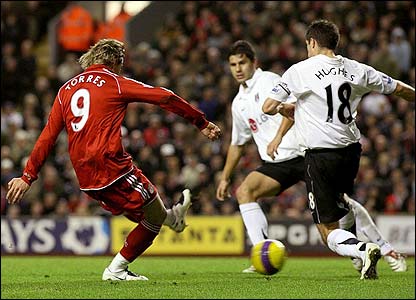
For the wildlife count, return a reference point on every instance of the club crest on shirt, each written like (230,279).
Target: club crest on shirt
(257,97)
(253,125)
(281,87)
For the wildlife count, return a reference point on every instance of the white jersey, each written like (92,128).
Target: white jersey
(328,91)
(250,121)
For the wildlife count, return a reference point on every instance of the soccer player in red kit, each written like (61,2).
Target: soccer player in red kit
(91,107)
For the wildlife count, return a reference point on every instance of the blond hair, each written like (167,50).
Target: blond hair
(109,52)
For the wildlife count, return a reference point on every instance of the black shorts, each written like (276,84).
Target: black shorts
(287,173)
(329,174)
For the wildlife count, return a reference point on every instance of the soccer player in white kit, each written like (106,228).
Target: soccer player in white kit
(279,172)
(328,89)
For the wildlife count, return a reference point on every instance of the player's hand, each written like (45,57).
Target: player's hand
(222,190)
(17,189)
(212,131)
(287,110)
(272,147)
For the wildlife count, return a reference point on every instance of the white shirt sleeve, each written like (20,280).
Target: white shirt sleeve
(379,82)
(280,92)
(289,88)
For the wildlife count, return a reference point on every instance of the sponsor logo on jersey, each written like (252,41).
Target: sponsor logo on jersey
(387,79)
(253,125)
(281,86)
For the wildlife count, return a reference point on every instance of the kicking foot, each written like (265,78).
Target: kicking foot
(180,209)
(372,255)
(123,275)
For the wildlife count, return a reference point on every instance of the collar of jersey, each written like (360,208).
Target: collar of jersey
(253,79)
(331,60)
(98,66)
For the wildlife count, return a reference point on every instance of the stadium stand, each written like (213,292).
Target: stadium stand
(188,55)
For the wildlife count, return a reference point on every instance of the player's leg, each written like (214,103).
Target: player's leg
(346,243)
(138,198)
(137,241)
(366,225)
(348,222)
(143,235)
(270,179)
(328,175)
(254,186)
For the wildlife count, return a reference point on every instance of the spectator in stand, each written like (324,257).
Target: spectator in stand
(116,28)
(10,87)
(382,59)
(401,51)
(209,102)
(156,134)
(75,29)
(27,66)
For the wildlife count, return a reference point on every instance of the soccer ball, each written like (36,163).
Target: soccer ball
(268,256)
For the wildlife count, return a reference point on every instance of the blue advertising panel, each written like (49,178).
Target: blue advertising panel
(73,235)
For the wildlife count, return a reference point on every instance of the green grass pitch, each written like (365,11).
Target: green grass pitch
(199,278)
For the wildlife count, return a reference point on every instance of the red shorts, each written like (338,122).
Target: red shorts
(128,195)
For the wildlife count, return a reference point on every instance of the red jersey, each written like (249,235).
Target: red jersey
(91,107)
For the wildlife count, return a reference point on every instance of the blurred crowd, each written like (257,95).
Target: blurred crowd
(189,56)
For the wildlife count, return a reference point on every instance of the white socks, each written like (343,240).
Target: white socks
(118,264)
(255,221)
(365,224)
(347,221)
(345,243)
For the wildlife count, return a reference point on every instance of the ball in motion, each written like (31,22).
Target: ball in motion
(268,256)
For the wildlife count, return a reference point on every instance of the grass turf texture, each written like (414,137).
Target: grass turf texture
(199,278)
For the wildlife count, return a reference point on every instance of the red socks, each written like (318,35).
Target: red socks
(139,239)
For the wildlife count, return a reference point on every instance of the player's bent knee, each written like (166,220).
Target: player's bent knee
(244,195)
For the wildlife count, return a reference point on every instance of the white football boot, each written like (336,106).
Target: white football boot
(357,263)
(180,209)
(372,255)
(396,261)
(123,275)
(250,269)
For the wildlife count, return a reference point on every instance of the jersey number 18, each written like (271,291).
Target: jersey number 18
(344,94)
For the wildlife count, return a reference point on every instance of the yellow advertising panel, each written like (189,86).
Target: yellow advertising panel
(209,235)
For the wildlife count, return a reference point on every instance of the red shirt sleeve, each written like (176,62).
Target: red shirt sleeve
(133,91)
(44,144)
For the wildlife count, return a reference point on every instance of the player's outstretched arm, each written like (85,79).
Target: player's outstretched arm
(212,131)
(404,91)
(17,189)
